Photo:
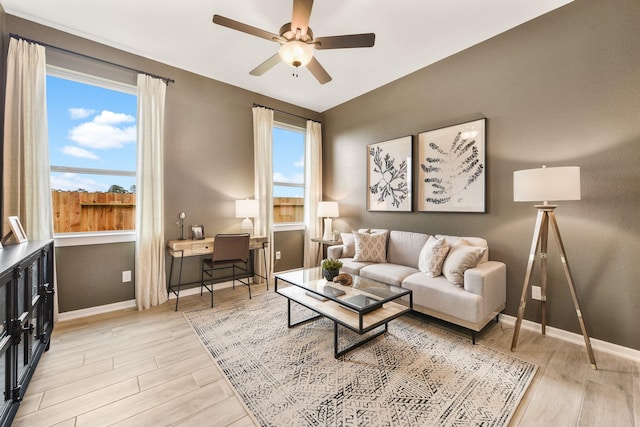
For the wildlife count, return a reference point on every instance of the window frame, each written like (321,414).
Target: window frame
(92,237)
(298,225)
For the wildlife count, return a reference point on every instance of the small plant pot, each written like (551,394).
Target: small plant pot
(330,274)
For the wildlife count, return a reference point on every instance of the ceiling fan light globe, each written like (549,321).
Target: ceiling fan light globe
(296,53)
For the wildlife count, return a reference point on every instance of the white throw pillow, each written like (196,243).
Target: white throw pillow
(459,260)
(370,247)
(432,256)
(348,245)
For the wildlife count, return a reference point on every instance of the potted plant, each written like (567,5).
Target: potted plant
(331,268)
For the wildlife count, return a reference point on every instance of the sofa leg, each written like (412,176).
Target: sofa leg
(473,337)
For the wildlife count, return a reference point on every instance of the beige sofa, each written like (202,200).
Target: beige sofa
(477,298)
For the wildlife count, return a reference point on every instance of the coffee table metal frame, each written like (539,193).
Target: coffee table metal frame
(357,319)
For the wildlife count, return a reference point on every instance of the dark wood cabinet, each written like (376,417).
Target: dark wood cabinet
(26,312)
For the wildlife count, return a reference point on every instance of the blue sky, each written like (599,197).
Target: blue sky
(90,127)
(93,127)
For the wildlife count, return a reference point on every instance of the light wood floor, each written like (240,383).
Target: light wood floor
(149,369)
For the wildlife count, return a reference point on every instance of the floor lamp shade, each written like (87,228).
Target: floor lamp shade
(328,210)
(247,209)
(546,184)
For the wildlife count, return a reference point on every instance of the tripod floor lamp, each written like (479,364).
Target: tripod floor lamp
(547,184)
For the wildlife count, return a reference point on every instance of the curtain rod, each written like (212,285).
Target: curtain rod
(165,79)
(285,112)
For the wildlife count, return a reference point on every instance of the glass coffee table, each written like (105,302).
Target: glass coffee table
(361,307)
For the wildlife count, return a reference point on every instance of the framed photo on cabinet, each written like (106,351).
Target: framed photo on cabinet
(16,228)
(389,175)
(452,168)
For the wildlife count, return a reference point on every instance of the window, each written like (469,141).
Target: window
(92,149)
(288,174)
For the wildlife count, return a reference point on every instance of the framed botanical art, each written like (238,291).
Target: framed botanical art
(389,175)
(452,171)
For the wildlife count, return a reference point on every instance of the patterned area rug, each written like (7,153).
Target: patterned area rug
(414,375)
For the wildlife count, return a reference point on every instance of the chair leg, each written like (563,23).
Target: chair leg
(246,266)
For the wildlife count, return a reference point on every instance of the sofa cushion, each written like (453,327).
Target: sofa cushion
(404,247)
(460,258)
(439,295)
(370,247)
(432,256)
(392,274)
(471,241)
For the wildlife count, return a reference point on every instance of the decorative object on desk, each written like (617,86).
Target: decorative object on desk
(328,210)
(344,279)
(547,184)
(197,232)
(389,175)
(452,170)
(182,216)
(16,230)
(331,268)
(247,209)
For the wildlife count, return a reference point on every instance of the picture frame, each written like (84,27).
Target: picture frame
(197,232)
(17,229)
(389,175)
(452,168)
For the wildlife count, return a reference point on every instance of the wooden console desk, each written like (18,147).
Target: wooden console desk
(189,248)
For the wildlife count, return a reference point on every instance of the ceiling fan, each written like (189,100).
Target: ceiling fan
(297,42)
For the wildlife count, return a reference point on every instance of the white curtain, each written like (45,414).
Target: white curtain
(263,161)
(150,275)
(313,191)
(27,190)
(26,185)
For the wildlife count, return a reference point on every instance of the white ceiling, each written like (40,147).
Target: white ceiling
(410,34)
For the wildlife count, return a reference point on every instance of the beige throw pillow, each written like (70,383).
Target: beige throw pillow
(459,260)
(370,247)
(432,256)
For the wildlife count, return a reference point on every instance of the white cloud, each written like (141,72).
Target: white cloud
(72,182)
(78,152)
(104,131)
(80,113)
(102,136)
(299,163)
(110,118)
(296,178)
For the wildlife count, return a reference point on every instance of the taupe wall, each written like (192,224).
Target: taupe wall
(208,165)
(563,89)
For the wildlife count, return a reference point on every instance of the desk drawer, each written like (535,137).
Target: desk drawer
(201,248)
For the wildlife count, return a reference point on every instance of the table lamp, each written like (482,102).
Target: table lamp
(247,209)
(328,210)
(543,185)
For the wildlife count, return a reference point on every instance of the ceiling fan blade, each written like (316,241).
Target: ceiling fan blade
(348,41)
(239,26)
(318,71)
(301,15)
(266,65)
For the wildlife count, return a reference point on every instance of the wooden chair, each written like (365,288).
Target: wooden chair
(230,251)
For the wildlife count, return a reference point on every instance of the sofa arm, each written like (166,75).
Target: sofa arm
(488,277)
(335,251)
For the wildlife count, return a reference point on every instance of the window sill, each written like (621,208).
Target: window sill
(289,226)
(96,238)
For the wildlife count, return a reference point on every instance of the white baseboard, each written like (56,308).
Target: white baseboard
(92,311)
(122,305)
(561,334)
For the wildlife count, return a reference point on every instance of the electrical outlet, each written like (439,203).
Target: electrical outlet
(536,293)
(278,255)
(126,276)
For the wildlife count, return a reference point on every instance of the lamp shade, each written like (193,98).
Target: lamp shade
(544,184)
(247,208)
(328,210)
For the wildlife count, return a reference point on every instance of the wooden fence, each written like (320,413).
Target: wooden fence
(75,211)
